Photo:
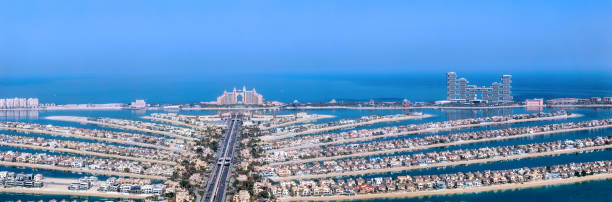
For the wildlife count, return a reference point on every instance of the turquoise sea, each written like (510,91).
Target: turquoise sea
(324,88)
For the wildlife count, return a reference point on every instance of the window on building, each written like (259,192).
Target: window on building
(467,95)
(456,92)
(501,98)
(456,97)
(490,95)
(467,89)
(501,92)
(490,90)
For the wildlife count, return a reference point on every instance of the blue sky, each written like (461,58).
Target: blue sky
(102,38)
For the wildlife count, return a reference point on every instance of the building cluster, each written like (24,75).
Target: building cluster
(460,180)
(332,137)
(421,159)
(88,133)
(244,96)
(343,149)
(138,104)
(187,132)
(285,119)
(339,123)
(458,90)
(139,152)
(83,183)
(18,103)
(88,163)
(10,179)
(131,186)
(199,121)
(579,101)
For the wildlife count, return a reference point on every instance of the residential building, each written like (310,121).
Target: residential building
(459,90)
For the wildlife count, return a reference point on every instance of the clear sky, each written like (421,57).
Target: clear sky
(56,38)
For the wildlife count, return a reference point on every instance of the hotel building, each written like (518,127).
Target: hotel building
(458,90)
(240,97)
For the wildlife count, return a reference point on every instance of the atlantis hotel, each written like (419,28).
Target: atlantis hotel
(243,96)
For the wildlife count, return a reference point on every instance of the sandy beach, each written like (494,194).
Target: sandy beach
(390,151)
(59,186)
(84,120)
(454,191)
(435,165)
(423,131)
(275,137)
(98,172)
(91,138)
(74,151)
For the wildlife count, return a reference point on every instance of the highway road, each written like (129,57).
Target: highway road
(215,191)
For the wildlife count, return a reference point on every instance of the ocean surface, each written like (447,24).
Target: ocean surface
(304,88)
(323,88)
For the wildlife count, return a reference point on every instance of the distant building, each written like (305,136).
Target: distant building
(607,100)
(406,103)
(138,104)
(333,101)
(567,101)
(12,103)
(240,97)
(595,99)
(457,89)
(534,102)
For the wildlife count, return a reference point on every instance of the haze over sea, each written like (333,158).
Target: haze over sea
(289,87)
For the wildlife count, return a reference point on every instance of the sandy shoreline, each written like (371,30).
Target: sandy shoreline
(85,120)
(423,131)
(454,191)
(99,172)
(74,151)
(90,138)
(276,137)
(435,165)
(436,145)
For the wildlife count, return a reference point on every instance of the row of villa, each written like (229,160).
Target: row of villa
(181,131)
(460,180)
(332,137)
(432,158)
(88,163)
(89,133)
(139,152)
(347,149)
(339,123)
(11,179)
